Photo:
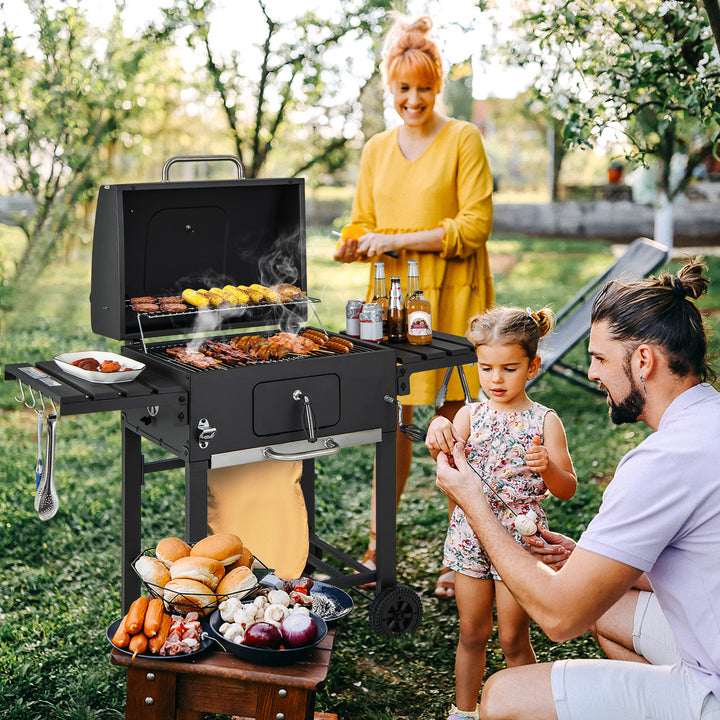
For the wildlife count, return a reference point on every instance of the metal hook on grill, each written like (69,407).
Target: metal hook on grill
(34,400)
(20,399)
(308,419)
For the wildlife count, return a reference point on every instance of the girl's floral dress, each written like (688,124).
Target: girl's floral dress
(496,450)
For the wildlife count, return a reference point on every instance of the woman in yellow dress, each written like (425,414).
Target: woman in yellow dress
(424,191)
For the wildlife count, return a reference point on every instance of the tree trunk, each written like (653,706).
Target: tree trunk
(664,212)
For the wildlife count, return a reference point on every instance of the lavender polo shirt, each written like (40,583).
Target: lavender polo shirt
(661,514)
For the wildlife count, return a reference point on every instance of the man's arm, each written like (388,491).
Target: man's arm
(563,603)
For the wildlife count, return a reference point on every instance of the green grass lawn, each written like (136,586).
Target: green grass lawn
(60,580)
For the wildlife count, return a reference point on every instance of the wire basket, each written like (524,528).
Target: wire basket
(204,603)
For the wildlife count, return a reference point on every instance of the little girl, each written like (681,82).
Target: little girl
(519,449)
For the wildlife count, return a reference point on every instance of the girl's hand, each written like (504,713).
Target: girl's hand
(375,244)
(537,458)
(441,436)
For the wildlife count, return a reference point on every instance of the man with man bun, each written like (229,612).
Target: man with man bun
(659,518)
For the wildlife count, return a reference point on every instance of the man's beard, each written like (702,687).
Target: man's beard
(629,408)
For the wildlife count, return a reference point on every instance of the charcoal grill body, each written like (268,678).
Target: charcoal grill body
(159,238)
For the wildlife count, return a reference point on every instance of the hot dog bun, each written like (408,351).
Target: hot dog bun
(184,595)
(225,547)
(170,549)
(152,570)
(237,580)
(203,569)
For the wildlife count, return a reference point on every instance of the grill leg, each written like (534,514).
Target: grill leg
(385,511)
(131,502)
(196,498)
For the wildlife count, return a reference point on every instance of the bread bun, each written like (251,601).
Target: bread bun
(237,580)
(246,559)
(170,549)
(184,595)
(225,547)
(152,571)
(203,569)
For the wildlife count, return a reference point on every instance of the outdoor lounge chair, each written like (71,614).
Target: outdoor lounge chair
(572,322)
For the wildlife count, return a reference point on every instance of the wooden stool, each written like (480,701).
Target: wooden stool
(218,682)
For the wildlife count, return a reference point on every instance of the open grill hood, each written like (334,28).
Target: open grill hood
(161,238)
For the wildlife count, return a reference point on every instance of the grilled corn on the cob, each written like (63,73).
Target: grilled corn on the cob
(195,298)
(241,296)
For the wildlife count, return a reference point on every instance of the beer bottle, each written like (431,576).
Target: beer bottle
(395,311)
(413,285)
(418,316)
(380,294)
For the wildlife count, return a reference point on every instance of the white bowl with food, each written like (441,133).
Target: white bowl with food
(99,366)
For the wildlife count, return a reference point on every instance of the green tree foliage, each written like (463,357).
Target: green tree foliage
(65,91)
(297,94)
(646,68)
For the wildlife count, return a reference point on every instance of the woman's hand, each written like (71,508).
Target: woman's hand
(346,251)
(552,548)
(374,244)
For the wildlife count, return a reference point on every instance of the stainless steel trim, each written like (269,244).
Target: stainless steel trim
(308,450)
(202,158)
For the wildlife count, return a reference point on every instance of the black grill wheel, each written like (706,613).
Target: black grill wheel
(396,611)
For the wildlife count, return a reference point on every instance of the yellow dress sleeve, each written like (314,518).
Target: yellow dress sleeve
(470,229)
(363,207)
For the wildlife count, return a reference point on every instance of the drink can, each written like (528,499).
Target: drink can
(371,322)
(352,318)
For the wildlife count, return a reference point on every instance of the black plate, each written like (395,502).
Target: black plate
(266,656)
(206,641)
(342,602)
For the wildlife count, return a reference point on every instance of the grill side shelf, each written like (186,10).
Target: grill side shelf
(74,396)
(444,351)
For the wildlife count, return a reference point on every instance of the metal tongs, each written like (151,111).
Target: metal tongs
(46,498)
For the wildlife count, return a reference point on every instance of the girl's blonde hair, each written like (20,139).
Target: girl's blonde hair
(410,48)
(511,326)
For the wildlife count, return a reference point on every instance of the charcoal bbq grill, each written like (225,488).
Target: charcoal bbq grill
(155,239)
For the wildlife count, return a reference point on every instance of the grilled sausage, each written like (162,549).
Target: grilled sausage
(153,617)
(336,346)
(138,644)
(157,641)
(121,638)
(135,618)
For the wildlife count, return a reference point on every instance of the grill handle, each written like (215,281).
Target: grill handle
(331,448)
(309,424)
(203,158)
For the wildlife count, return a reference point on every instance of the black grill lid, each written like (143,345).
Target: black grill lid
(157,239)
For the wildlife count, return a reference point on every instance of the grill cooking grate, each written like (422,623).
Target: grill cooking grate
(159,350)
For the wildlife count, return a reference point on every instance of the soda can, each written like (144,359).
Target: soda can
(371,322)
(352,318)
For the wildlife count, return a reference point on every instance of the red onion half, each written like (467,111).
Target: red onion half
(262,635)
(298,629)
